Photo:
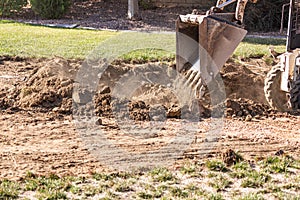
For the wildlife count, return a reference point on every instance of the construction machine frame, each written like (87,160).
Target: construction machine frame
(282,85)
(205,42)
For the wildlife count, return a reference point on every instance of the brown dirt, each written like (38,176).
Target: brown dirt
(37,131)
(245,81)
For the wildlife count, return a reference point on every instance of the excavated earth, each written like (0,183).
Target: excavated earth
(39,107)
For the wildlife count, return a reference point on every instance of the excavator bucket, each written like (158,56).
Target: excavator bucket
(205,42)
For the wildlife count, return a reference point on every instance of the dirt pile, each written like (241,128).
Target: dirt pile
(41,84)
(49,85)
(244,81)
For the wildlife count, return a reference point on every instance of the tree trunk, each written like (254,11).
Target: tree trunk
(133,10)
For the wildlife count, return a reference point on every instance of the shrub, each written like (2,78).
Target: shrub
(50,9)
(265,15)
(216,165)
(146,4)
(7,7)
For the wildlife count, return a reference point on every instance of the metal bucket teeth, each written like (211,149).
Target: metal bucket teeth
(196,80)
(193,80)
(209,39)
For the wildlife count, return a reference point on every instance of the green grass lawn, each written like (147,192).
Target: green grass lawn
(37,41)
(257,47)
(271,178)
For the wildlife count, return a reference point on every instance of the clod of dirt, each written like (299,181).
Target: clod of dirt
(82,96)
(102,104)
(174,112)
(279,153)
(230,157)
(139,111)
(245,108)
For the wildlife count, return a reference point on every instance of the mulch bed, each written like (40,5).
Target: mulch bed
(108,14)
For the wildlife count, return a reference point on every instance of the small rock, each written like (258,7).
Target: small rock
(157,112)
(279,153)
(248,118)
(174,112)
(65,83)
(99,121)
(105,90)
(56,109)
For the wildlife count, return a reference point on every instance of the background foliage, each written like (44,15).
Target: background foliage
(50,9)
(8,7)
(265,15)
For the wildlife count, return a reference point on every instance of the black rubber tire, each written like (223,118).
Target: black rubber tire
(276,98)
(295,95)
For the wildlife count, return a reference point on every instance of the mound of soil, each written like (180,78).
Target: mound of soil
(242,82)
(48,85)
